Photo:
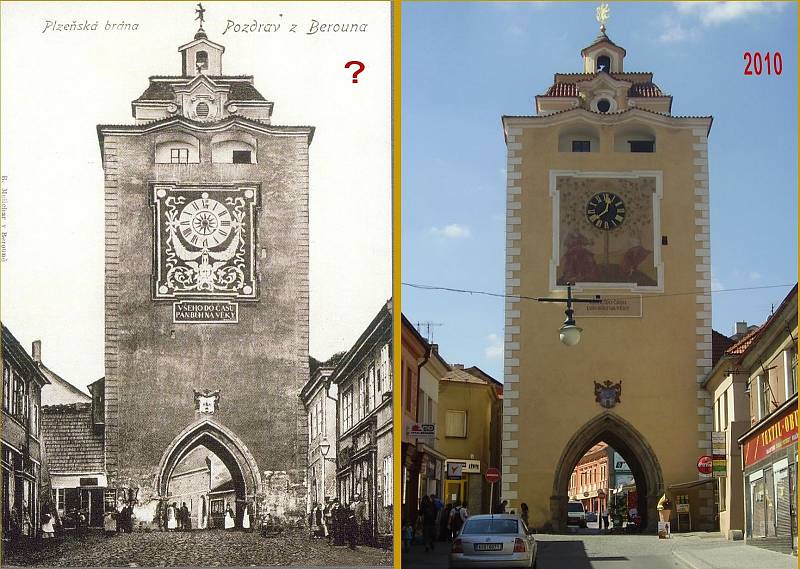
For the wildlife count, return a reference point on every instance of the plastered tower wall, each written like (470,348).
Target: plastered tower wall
(659,357)
(259,364)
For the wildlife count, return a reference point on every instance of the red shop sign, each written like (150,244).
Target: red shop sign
(775,435)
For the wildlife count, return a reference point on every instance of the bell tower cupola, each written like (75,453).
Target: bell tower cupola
(603,55)
(201,55)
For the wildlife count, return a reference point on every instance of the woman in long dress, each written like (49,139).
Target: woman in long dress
(229,522)
(172,517)
(246,518)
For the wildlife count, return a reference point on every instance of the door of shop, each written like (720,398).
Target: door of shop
(456,491)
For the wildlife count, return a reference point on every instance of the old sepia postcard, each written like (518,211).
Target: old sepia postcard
(196,283)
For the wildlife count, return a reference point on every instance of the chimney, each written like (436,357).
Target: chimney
(36,351)
(457,366)
(740,329)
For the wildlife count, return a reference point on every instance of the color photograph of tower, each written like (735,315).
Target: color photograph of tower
(608,193)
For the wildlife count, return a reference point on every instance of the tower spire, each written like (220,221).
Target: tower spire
(601,14)
(200,11)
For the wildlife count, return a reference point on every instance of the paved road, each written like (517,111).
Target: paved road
(199,548)
(589,549)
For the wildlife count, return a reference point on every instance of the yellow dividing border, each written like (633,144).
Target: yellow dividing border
(395,22)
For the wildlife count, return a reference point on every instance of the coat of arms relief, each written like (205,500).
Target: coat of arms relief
(204,241)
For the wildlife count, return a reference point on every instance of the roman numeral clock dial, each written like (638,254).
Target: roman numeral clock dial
(605,211)
(205,222)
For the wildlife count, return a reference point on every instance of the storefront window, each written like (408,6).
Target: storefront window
(758,526)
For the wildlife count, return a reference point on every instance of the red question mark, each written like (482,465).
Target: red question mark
(355,73)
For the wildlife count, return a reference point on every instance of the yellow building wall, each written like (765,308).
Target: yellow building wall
(549,386)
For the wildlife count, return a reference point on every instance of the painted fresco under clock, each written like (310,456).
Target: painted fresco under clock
(606,230)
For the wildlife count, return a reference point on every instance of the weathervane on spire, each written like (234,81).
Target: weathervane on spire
(602,14)
(200,11)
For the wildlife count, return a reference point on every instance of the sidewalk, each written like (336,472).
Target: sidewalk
(724,554)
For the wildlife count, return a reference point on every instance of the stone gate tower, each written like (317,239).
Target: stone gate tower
(609,190)
(206,290)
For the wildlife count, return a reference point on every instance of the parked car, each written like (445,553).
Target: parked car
(576,515)
(499,540)
(591,517)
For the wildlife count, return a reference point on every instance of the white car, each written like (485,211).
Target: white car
(576,515)
(499,540)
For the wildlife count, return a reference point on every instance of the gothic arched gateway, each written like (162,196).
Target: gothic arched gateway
(227,446)
(627,441)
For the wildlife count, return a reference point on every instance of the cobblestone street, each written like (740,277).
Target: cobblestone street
(199,548)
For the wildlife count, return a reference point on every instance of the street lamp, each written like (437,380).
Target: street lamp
(570,333)
(324,448)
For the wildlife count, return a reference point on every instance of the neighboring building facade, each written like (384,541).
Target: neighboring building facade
(606,189)
(363,379)
(413,349)
(22,462)
(468,404)
(73,440)
(589,483)
(319,399)
(769,446)
(206,291)
(432,461)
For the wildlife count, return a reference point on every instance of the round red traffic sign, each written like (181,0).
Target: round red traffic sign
(492,475)
(705,464)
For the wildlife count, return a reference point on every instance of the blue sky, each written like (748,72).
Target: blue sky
(466,64)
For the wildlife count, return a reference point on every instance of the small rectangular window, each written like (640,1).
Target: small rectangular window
(456,425)
(241,157)
(642,145)
(179,155)
(581,146)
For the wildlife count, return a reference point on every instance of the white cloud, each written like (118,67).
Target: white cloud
(715,282)
(495,348)
(674,32)
(452,231)
(754,276)
(715,13)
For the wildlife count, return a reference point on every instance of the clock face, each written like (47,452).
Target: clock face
(205,222)
(605,211)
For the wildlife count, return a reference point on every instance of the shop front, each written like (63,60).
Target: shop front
(769,457)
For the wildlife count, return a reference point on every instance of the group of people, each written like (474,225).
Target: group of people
(118,521)
(175,518)
(341,523)
(435,521)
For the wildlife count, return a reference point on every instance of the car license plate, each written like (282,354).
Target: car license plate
(488,547)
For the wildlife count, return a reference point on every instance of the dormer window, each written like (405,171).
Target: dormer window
(242,157)
(642,145)
(201,60)
(581,146)
(179,156)
(603,64)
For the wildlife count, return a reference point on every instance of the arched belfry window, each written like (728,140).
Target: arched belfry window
(603,64)
(201,60)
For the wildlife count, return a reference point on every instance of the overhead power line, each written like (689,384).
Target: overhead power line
(524,297)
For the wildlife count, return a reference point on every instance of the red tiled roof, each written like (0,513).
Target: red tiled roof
(565,89)
(719,346)
(562,90)
(743,345)
(648,89)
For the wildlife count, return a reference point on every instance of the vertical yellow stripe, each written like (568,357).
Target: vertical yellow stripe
(396,312)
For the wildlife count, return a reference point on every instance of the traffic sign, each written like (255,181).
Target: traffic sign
(705,464)
(492,475)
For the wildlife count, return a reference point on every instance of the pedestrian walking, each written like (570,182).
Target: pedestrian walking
(172,517)
(444,523)
(229,518)
(408,536)
(327,520)
(458,516)
(319,528)
(246,518)
(501,507)
(187,518)
(351,526)
(361,520)
(524,513)
(48,522)
(427,511)
(604,519)
(339,522)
